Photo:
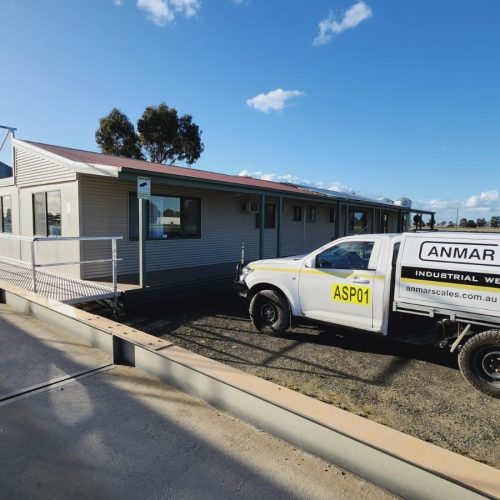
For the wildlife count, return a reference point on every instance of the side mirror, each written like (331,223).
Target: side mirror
(310,262)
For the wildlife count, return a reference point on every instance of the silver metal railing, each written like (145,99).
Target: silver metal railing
(33,260)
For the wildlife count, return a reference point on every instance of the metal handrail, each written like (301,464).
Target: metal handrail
(33,239)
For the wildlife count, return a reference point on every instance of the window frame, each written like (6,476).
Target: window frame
(46,234)
(297,213)
(2,222)
(132,196)
(332,215)
(352,213)
(311,213)
(267,224)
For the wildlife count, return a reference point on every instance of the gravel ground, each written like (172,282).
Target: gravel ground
(415,389)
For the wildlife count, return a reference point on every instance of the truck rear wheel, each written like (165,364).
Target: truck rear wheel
(479,362)
(270,312)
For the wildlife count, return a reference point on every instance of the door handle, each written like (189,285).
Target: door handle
(361,281)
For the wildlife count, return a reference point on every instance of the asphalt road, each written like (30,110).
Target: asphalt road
(416,389)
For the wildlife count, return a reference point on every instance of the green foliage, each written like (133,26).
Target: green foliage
(116,136)
(463,222)
(158,130)
(162,136)
(495,221)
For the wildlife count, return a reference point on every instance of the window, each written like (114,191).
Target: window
(332,216)
(269,217)
(358,221)
(166,217)
(311,213)
(348,255)
(384,222)
(47,213)
(297,214)
(6,209)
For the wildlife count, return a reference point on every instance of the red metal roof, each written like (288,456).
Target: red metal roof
(92,158)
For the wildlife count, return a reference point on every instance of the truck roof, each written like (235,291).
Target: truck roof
(455,235)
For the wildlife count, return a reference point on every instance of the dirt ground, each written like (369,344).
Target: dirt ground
(415,389)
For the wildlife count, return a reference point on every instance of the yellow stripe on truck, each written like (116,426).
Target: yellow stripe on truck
(316,271)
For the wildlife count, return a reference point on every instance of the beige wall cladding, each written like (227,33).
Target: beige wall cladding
(224,227)
(32,169)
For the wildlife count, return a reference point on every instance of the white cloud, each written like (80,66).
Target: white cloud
(188,7)
(485,204)
(292,179)
(356,14)
(486,199)
(161,12)
(118,2)
(274,100)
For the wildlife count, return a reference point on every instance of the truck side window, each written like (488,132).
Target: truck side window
(348,255)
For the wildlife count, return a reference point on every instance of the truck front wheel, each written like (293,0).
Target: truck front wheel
(270,312)
(479,362)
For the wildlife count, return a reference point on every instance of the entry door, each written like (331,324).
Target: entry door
(339,288)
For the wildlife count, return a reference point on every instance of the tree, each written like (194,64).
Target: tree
(167,138)
(463,222)
(471,223)
(495,221)
(116,136)
(451,224)
(162,136)
(481,222)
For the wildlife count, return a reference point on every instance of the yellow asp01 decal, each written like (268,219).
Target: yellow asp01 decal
(354,294)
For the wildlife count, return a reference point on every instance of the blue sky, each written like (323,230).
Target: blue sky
(385,98)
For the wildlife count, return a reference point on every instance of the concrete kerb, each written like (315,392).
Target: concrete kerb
(395,461)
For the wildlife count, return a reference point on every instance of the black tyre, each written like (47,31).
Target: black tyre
(479,362)
(270,312)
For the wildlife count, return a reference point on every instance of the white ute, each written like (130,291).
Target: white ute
(377,282)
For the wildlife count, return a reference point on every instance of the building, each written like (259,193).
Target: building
(196,224)
(5,171)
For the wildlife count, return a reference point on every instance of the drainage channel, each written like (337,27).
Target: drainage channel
(52,384)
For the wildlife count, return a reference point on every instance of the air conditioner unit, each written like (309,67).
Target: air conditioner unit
(249,207)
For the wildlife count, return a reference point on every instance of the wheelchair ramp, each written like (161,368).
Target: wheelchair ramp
(53,286)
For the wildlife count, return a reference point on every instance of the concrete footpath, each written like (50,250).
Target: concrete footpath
(73,425)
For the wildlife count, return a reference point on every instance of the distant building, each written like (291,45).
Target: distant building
(5,170)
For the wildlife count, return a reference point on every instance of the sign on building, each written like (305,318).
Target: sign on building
(143,188)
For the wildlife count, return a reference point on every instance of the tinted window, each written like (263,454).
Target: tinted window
(40,214)
(348,255)
(269,217)
(166,217)
(6,208)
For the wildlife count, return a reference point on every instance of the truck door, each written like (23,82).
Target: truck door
(339,287)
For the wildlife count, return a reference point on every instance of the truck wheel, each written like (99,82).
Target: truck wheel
(479,362)
(270,313)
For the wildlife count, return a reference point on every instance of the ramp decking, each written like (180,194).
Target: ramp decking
(53,286)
